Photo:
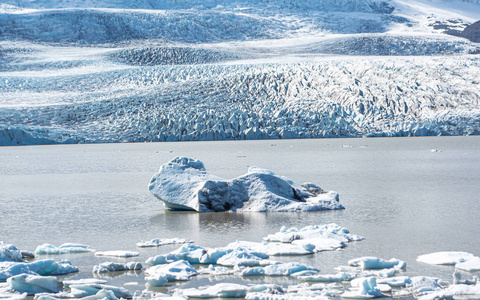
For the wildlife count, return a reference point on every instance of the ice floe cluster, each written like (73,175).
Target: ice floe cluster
(363,278)
(184,184)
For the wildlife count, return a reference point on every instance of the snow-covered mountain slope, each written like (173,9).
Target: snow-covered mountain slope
(116,71)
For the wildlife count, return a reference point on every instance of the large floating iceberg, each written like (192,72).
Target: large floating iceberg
(184,184)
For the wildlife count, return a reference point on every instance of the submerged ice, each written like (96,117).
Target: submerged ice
(184,184)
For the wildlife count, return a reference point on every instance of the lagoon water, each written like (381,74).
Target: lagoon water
(403,198)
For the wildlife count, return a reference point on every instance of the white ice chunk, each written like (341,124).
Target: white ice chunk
(9,252)
(117,253)
(422,285)
(64,248)
(454,291)
(342,276)
(68,283)
(112,267)
(275,248)
(235,253)
(189,252)
(88,290)
(376,263)
(42,267)
(33,284)
(445,257)
(471,265)
(184,184)
(262,296)
(399,281)
(162,242)
(460,277)
(215,271)
(314,232)
(221,290)
(161,274)
(281,269)
(242,256)
(367,288)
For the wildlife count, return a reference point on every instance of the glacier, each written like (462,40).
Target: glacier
(184,184)
(152,71)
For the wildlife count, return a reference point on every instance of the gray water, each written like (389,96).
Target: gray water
(403,198)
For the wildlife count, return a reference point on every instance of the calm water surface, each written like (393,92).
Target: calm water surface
(403,198)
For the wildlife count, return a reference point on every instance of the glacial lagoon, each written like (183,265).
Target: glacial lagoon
(406,196)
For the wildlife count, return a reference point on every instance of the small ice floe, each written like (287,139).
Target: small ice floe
(281,269)
(86,290)
(305,286)
(9,252)
(342,276)
(300,291)
(64,248)
(113,267)
(215,271)
(184,184)
(275,249)
(465,278)
(399,281)
(34,284)
(363,288)
(68,283)
(117,253)
(42,267)
(454,291)
(445,257)
(235,254)
(242,256)
(12,295)
(313,232)
(471,265)
(220,290)
(162,242)
(177,271)
(377,263)
(422,285)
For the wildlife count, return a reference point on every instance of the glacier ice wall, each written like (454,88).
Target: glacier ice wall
(342,97)
(188,70)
